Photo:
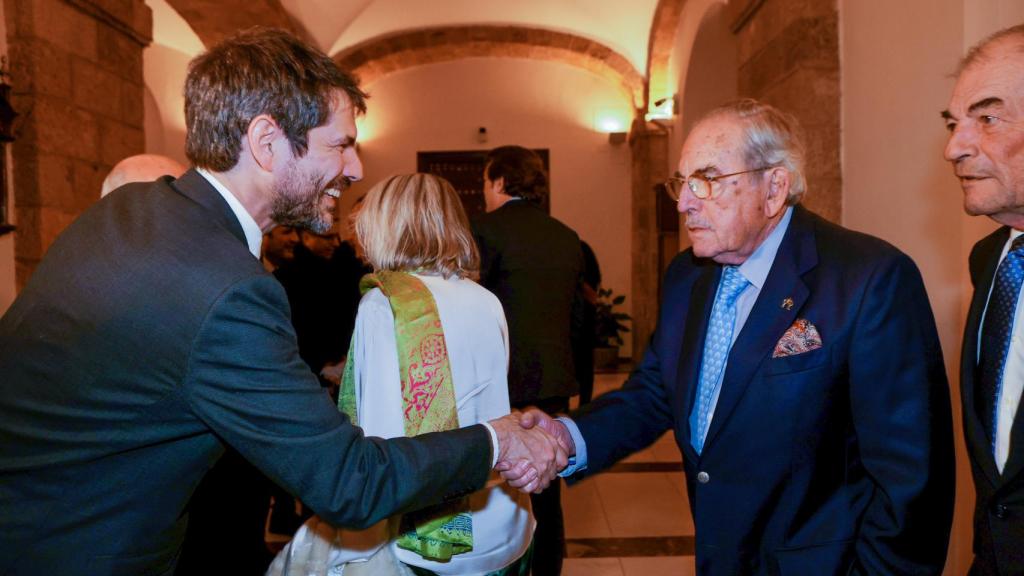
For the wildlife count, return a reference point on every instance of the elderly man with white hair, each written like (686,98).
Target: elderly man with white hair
(140,168)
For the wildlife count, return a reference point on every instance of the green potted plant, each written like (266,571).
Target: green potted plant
(609,326)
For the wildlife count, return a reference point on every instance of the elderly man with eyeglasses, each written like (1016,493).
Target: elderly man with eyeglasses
(798,364)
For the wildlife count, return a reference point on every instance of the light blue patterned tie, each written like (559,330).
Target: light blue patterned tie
(716,350)
(996,333)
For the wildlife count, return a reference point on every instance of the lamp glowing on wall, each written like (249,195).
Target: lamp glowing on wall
(614,122)
(662,109)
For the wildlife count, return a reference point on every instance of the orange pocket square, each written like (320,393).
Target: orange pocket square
(801,337)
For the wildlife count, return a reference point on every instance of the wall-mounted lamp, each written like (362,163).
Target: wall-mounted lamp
(614,122)
(662,109)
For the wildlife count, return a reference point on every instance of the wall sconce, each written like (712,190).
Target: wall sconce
(662,109)
(614,122)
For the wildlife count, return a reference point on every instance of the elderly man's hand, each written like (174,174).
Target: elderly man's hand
(534,416)
(528,458)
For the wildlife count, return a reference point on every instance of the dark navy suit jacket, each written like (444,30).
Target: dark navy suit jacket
(999,505)
(834,461)
(147,340)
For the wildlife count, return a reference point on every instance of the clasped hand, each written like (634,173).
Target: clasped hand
(533,448)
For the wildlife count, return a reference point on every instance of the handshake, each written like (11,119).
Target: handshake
(532,449)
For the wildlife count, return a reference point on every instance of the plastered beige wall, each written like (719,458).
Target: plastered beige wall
(534,104)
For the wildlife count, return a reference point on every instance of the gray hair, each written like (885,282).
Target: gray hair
(980,50)
(771,138)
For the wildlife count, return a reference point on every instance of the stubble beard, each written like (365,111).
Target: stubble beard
(297,199)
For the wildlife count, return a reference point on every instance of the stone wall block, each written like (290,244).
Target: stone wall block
(133,110)
(775,16)
(120,54)
(806,42)
(96,89)
(63,130)
(64,26)
(118,141)
(55,178)
(38,66)
(88,181)
(25,188)
(28,245)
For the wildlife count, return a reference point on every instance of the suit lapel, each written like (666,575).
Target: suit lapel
(769,319)
(702,296)
(194,186)
(977,437)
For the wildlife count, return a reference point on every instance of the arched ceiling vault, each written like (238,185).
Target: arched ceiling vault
(387,54)
(214,20)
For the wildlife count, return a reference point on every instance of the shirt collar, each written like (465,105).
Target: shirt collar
(253,235)
(756,268)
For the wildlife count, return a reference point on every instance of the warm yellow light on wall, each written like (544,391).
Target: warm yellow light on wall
(610,120)
(364,129)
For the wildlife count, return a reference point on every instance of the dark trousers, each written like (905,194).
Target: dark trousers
(549,539)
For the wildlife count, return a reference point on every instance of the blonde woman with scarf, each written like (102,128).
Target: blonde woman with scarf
(429,353)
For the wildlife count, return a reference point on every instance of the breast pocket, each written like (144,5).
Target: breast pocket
(798,362)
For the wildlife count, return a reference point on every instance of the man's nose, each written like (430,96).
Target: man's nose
(961,143)
(353,169)
(687,201)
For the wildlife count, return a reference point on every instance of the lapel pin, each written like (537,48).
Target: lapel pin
(787,303)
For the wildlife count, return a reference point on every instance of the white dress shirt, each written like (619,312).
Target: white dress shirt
(1013,371)
(476,337)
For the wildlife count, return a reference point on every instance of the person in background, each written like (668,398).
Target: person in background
(279,247)
(430,352)
(140,168)
(533,264)
(583,347)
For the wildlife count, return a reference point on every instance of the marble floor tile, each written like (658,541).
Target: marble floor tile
(583,511)
(643,504)
(592,567)
(660,566)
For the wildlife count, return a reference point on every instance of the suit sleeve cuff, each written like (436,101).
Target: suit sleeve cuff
(578,461)
(494,444)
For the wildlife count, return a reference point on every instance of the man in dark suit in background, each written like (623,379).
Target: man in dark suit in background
(150,337)
(799,366)
(533,264)
(986,146)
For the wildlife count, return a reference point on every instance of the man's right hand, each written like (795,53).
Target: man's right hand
(534,416)
(529,457)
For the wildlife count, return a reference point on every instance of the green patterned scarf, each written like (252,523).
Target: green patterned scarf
(428,403)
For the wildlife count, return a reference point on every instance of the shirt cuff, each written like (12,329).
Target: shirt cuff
(578,461)
(494,444)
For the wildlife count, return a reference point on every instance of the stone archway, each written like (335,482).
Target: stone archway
(659,49)
(214,20)
(387,54)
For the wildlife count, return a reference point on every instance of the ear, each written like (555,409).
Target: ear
(779,180)
(263,137)
(498,185)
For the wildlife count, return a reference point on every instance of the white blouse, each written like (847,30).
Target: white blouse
(477,339)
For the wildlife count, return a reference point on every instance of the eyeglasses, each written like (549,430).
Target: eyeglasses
(699,184)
